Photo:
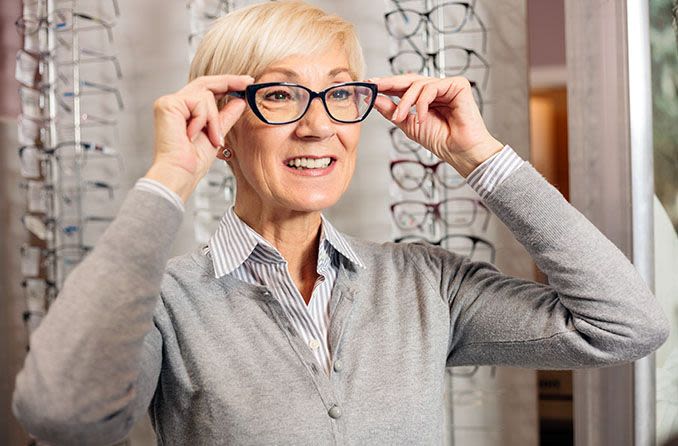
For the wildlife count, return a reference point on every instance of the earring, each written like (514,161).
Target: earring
(227,153)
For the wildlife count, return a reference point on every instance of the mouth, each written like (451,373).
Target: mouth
(306,163)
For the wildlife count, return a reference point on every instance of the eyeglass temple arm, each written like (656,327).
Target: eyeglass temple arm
(237,94)
(481,23)
(400,9)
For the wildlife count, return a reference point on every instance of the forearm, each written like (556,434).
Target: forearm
(85,355)
(595,310)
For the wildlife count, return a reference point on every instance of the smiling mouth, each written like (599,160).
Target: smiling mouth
(307,163)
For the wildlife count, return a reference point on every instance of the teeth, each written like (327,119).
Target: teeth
(310,163)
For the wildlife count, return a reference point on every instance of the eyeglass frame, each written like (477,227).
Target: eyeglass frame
(48,22)
(475,239)
(249,94)
(434,56)
(430,169)
(434,209)
(425,16)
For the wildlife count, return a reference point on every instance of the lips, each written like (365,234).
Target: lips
(310,165)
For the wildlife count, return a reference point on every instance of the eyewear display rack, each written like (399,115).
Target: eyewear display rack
(216,191)
(69,170)
(430,200)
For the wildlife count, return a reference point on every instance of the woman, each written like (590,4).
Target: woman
(284,330)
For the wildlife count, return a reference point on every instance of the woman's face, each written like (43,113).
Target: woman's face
(263,152)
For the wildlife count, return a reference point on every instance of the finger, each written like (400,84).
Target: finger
(428,94)
(213,124)
(230,113)
(219,83)
(396,84)
(408,99)
(387,107)
(198,120)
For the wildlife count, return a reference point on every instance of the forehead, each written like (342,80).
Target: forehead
(327,65)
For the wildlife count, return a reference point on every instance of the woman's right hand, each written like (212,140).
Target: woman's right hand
(189,130)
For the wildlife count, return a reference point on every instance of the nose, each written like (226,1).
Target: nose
(316,123)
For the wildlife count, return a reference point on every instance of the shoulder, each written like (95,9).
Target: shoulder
(189,272)
(403,256)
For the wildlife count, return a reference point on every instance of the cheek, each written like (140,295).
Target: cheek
(350,137)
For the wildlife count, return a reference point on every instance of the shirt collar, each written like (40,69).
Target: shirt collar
(234,242)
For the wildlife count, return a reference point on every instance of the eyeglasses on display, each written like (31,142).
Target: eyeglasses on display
(411,175)
(458,61)
(453,213)
(470,246)
(448,18)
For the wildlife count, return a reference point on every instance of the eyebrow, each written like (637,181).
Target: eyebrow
(293,74)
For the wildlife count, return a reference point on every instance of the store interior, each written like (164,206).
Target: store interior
(524,78)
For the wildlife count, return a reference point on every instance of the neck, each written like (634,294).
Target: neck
(294,234)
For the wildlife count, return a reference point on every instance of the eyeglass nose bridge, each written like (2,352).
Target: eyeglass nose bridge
(313,95)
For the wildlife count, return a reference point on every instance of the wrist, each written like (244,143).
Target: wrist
(176,179)
(467,161)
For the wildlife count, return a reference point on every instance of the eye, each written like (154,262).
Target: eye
(341,93)
(278,95)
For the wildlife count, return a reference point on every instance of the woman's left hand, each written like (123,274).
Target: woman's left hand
(447,120)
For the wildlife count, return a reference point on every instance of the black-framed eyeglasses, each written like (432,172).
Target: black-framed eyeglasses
(458,60)
(471,246)
(279,103)
(402,23)
(453,212)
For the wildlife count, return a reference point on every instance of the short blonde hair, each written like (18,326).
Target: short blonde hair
(248,40)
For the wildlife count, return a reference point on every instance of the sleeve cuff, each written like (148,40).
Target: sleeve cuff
(490,174)
(155,187)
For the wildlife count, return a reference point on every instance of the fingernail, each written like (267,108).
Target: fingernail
(395,115)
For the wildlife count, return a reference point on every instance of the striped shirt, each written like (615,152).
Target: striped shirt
(238,250)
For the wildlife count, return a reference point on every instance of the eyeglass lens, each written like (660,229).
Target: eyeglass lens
(283,103)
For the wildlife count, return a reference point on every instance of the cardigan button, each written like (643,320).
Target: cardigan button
(334,412)
(337,366)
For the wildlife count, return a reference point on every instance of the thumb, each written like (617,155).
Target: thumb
(230,113)
(384,105)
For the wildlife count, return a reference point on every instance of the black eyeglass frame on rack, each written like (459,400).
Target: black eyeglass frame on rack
(449,71)
(441,242)
(469,13)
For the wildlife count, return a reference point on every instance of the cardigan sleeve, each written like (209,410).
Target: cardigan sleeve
(595,311)
(95,359)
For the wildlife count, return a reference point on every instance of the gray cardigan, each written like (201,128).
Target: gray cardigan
(217,362)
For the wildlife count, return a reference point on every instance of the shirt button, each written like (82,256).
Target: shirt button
(314,344)
(337,366)
(334,412)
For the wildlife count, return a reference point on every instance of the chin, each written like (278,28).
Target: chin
(312,201)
